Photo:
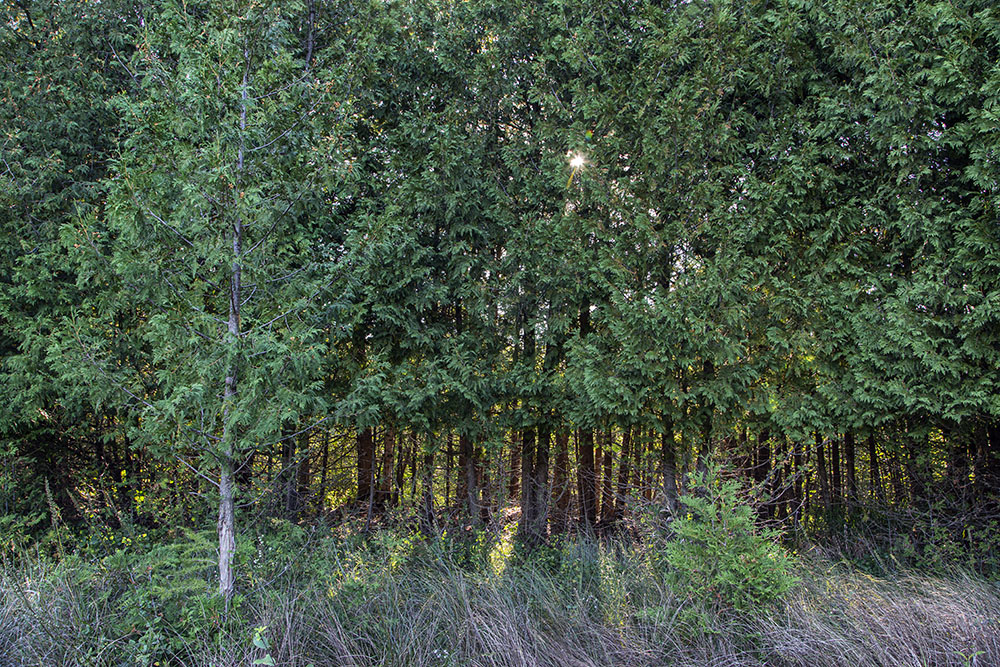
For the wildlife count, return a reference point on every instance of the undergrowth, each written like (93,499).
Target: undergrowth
(393,598)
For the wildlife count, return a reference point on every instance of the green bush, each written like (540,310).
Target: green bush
(717,555)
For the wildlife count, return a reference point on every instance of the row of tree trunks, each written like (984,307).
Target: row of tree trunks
(782,467)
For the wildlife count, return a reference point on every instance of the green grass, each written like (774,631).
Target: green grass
(394,599)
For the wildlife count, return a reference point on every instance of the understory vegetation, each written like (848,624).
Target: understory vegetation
(325,596)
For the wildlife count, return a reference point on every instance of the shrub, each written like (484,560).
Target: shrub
(718,555)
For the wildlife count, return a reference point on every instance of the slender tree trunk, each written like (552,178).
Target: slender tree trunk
(384,494)
(851,471)
(824,480)
(560,484)
(489,493)
(621,488)
(835,469)
(397,494)
(514,485)
(427,523)
(366,464)
(470,483)
(586,482)
(324,465)
(448,453)
(540,484)
(527,491)
(668,465)
(763,474)
(705,450)
(642,463)
(873,470)
(286,476)
(586,473)
(607,482)
(779,480)
(797,494)
(227,505)
(598,461)
(414,446)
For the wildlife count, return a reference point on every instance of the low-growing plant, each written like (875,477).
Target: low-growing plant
(716,552)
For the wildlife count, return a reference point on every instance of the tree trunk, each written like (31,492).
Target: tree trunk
(668,465)
(514,485)
(227,505)
(824,478)
(873,470)
(797,494)
(448,453)
(383,497)
(427,523)
(527,521)
(540,485)
(763,474)
(397,496)
(560,484)
(779,480)
(837,488)
(621,488)
(852,472)
(607,482)
(470,483)
(324,464)
(366,464)
(586,482)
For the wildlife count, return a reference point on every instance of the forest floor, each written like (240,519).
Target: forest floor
(320,597)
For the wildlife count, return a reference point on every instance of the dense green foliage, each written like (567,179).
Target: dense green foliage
(447,265)
(718,555)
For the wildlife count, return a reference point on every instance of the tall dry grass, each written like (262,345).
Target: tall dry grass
(584,606)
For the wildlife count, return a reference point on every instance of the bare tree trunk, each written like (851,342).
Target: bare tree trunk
(873,470)
(668,465)
(384,495)
(527,492)
(324,463)
(366,464)
(779,479)
(227,505)
(560,484)
(607,482)
(621,488)
(470,485)
(304,469)
(540,486)
(586,482)
(414,445)
(287,475)
(427,523)
(837,489)
(851,471)
(448,453)
(514,485)
(762,474)
(797,498)
(824,479)
(397,496)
